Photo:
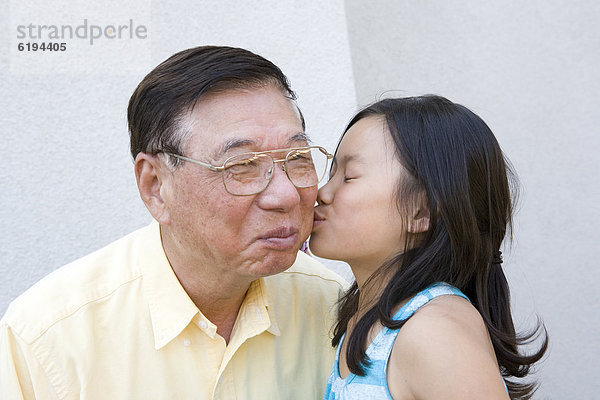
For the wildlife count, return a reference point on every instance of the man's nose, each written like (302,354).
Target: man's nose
(280,194)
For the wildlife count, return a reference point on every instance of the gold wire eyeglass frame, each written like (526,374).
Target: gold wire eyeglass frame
(250,156)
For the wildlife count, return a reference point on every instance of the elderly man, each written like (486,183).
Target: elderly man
(213,299)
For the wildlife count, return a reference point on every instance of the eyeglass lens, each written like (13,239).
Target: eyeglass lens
(244,174)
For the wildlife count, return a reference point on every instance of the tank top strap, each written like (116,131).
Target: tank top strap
(425,296)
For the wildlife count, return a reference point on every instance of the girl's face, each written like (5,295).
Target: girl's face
(357,219)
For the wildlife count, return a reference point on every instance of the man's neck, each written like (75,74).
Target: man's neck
(218,301)
(217,297)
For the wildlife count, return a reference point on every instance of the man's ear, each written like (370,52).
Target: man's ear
(149,174)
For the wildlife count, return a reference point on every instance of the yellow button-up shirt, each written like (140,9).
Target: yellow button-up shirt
(117,324)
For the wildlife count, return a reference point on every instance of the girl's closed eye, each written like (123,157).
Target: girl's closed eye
(351,172)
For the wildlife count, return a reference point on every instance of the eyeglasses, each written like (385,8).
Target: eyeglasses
(250,173)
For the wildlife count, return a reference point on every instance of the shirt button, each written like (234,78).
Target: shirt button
(187,342)
(203,324)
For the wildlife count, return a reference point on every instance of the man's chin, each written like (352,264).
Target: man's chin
(275,262)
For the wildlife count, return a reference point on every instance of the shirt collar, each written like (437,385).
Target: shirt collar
(171,309)
(260,300)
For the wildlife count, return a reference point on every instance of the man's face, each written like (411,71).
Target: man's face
(237,237)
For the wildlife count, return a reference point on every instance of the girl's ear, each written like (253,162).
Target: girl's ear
(419,216)
(419,221)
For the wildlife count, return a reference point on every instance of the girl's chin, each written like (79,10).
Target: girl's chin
(315,247)
(320,250)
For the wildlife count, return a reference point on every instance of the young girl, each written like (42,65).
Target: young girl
(418,204)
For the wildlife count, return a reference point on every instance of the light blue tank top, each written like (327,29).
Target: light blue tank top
(373,386)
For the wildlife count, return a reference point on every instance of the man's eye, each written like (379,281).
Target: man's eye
(246,162)
(242,162)
(300,156)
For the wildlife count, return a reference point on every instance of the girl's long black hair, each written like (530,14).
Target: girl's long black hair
(454,160)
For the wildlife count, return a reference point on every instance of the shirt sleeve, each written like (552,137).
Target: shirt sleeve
(21,375)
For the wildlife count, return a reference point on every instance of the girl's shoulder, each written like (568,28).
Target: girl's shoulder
(441,325)
(448,312)
(440,349)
